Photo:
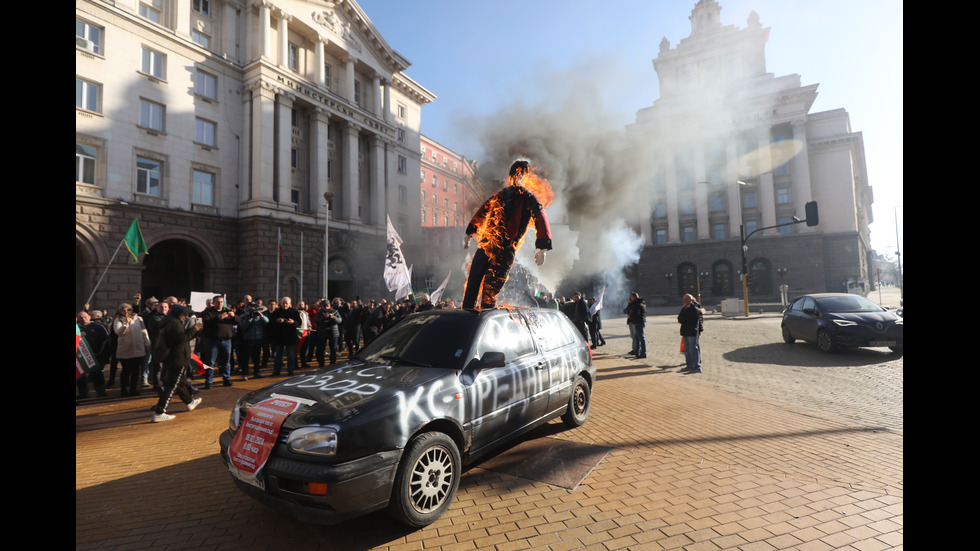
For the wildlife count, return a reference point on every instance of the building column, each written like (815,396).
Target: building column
(284,19)
(800,172)
(734,189)
(321,79)
(284,146)
(701,195)
(386,108)
(379,182)
(349,79)
(767,195)
(319,140)
(376,95)
(350,178)
(260,105)
(265,22)
(670,187)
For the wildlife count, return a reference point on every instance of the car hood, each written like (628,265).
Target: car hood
(337,395)
(865,317)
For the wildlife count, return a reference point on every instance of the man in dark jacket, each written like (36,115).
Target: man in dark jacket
(219,328)
(691,319)
(283,335)
(328,324)
(636,319)
(174,367)
(580,315)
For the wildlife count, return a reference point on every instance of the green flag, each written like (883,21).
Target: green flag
(134,241)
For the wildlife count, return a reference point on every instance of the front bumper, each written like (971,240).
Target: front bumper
(354,488)
(866,337)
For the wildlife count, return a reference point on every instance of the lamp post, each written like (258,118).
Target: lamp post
(327,197)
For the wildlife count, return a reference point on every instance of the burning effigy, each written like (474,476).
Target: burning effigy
(499,226)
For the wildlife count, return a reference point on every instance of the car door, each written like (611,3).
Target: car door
(504,399)
(804,319)
(559,343)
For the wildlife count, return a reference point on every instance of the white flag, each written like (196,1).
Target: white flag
(396,272)
(597,305)
(436,295)
(406,290)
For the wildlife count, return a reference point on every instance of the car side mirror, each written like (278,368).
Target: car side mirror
(476,365)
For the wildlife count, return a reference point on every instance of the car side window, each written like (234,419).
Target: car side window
(809,303)
(507,334)
(551,330)
(798,305)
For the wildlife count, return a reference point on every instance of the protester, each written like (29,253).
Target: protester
(177,358)
(132,347)
(691,318)
(97,337)
(636,319)
(283,336)
(252,327)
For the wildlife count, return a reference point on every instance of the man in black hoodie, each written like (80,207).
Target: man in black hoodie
(636,319)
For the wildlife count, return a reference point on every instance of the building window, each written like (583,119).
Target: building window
(717,203)
(456,206)
(203,188)
(423,175)
(150,13)
(402,164)
(402,194)
(456,188)
(293,59)
(660,237)
(329,169)
(205,132)
(152,115)
(206,85)
(401,111)
(357,93)
(202,7)
(201,38)
(446,220)
(718,231)
(326,76)
(435,180)
(153,64)
(86,157)
(445,185)
(294,158)
(445,202)
(748,199)
(87,95)
(435,199)
(788,228)
(782,196)
(687,234)
(660,210)
(687,206)
(750,226)
(149,176)
(435,218)
(401,134)
(88,37)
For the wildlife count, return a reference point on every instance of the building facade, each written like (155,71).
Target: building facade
(223,126)
(736,151)
(450,192)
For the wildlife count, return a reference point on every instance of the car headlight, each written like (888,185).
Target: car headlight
(314,440)
(899,321)
(233,420)
(845,323)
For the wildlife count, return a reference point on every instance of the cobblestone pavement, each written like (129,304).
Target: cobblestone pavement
(769,449)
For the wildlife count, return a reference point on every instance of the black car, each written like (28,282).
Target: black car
(834,320)
(393,426)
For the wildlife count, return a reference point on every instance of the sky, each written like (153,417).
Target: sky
(485,60)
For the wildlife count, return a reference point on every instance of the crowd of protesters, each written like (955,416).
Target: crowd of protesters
(242,338)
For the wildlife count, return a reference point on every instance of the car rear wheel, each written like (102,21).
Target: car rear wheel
(824,341)
(579,404)
(787,336)
(426,481)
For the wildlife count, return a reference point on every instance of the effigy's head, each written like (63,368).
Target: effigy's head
(518,170)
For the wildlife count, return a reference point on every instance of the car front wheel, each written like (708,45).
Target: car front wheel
(787,336)
(825,342)
(578,404)
(427,480)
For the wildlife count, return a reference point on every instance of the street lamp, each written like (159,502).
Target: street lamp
(327,197)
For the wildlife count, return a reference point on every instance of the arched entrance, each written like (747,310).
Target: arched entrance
(172,268)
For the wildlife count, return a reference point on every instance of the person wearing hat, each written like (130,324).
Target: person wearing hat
(252,326)
(176,338)
(150,308)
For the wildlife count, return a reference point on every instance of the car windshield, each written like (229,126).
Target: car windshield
(845,304)
(426,340)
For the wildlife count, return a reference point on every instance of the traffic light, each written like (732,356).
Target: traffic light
(812,215)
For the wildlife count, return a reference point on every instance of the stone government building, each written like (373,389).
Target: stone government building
(715,135)
(220,125)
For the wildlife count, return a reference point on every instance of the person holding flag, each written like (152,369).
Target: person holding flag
(595,323)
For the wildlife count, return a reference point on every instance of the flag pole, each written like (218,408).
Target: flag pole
(278,258)
(300,268)
(99,282)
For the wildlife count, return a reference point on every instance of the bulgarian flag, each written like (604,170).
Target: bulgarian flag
(134,241)
(84,357)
